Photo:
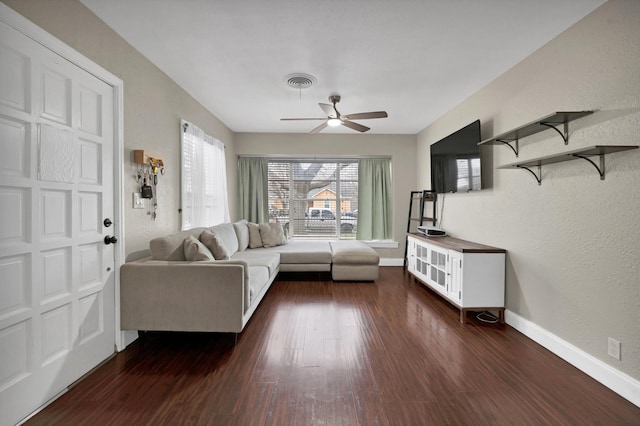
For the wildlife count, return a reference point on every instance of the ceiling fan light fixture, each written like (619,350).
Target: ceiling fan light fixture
(335,119)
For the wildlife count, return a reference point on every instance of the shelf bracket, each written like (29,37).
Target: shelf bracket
(537,176)
(507,143)
(565,135)
(601,169)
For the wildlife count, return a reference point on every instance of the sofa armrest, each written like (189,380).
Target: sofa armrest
(184,296)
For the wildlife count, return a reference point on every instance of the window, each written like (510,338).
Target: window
(468,173)
(204,179)
(314,199)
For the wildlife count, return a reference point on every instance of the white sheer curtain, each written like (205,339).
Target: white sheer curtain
(204,197)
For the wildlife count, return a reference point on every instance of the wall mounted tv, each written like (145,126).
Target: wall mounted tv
(455,161)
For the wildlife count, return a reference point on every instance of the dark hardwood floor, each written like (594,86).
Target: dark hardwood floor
(324,353)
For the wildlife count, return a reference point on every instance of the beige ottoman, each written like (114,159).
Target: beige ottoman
(353,261)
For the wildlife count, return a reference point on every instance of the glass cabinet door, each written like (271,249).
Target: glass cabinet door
(418,259)
(438,267)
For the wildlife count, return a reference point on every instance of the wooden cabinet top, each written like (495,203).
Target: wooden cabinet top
(457,244)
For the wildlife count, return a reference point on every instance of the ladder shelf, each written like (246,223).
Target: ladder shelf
(418,218)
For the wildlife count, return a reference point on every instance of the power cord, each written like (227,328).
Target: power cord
(488,317)
(441,218)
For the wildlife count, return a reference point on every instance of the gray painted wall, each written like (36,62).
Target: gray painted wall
(574,242)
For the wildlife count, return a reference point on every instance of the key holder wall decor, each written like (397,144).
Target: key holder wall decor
(148,167)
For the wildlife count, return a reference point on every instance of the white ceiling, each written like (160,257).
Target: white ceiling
(416,59)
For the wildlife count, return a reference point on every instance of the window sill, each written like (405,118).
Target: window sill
(387,244)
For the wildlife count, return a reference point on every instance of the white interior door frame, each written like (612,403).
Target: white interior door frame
(31,30)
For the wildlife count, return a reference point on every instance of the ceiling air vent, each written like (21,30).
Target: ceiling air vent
(300,80)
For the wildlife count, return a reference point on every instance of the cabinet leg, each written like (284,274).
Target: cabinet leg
(463,316)
(501,315)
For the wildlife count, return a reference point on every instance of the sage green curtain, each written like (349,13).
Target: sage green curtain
(374,199)
(253,186)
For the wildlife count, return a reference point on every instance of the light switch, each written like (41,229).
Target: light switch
(138,201)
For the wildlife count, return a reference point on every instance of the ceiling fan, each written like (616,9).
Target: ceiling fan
(335,119)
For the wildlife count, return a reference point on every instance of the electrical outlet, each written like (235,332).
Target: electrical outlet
(614,348)
(138,201)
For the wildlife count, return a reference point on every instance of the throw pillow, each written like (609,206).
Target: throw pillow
(283,234)
(242,232)
(287,236)
(215,244)
(255,240)
(272,234)
(194,250)
(227,235)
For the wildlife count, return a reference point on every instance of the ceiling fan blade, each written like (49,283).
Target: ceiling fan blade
(300,119)
(365,115)
(354,126)
(328,109)
(319,128)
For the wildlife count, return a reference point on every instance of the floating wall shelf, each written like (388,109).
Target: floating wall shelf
(548,122)
(583,153)
(147,158)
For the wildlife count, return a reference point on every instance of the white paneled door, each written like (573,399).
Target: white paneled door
(56,191)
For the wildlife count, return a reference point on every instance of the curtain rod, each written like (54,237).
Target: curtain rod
(186,124)
(313,158)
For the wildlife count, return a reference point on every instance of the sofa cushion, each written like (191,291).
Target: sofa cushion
(260,258)
(353,253)
(255,240)
(272,234)
(171,247)
(242,232)
(227,235)
(215,243)
(258,279)
(303,252)
(194,250)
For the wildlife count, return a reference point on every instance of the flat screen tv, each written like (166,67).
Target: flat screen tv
(455,161)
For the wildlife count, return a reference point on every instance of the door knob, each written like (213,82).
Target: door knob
(107,222)
(110,240)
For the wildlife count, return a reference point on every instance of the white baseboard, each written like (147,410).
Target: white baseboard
(391,261)
(127,337)
(619,382)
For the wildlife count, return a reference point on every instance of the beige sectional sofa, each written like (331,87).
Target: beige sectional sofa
(168,292)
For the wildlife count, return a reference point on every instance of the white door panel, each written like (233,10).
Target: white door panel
(14,158)
(14,66)
(57,311)
(90,111)
(55,96)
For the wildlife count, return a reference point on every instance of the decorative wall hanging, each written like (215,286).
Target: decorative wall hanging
(148,167)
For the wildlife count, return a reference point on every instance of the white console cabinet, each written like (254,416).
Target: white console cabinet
(467,274)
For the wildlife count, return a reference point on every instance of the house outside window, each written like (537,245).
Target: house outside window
(314,199)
